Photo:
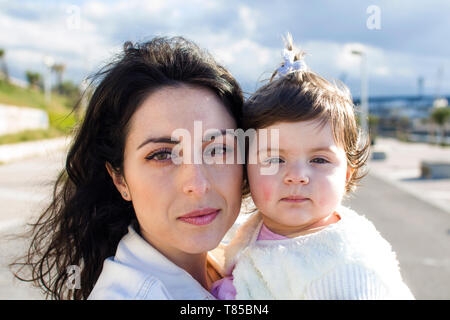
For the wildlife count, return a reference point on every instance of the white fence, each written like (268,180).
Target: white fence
(15,119)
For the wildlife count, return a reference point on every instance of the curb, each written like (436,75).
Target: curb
(412,191)
(23,150)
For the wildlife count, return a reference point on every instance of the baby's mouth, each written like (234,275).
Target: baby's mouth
(295,199)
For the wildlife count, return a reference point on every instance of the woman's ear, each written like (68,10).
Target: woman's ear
(119,182)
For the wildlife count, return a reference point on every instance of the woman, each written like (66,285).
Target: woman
(137,224)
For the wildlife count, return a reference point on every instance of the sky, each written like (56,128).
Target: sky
(402,40)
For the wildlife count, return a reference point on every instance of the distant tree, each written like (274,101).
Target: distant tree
(4,68)
(402,125)
(373,127)
(440,117)
(68,88)
(73,93)
(86,92)
(34,79)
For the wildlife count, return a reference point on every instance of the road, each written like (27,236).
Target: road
(418,232)
(25,189)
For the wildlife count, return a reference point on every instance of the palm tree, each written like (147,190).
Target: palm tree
(4,67)
(59,69)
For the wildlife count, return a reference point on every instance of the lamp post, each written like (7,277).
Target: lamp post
(364,89)
(49,62)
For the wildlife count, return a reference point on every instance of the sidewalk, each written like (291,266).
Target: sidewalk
(402,168)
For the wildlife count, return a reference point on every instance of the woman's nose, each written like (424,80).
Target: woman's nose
(297,175)
(195,182)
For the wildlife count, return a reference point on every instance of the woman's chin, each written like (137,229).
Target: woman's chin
(200,239)
(200,243)
(200,249)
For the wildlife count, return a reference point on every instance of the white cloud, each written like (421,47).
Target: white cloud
(95,9)
(247,59)
(27,42)
(242,35)
(248,19)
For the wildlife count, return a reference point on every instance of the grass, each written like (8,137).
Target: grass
(61,120)
(30,135)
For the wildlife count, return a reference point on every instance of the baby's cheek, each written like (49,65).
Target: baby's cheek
(331,192)
(261,188)
(267,190)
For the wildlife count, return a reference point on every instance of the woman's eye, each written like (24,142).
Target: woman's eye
(219,150)
(162,155)
(319,160)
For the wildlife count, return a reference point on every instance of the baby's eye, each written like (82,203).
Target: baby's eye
(320,160)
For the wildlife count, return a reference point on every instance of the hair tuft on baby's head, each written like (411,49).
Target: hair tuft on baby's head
(289,45)
(293,60)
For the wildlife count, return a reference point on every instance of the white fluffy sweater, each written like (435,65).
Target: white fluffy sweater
(346,260)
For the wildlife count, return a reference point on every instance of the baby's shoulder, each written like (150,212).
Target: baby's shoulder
(359,231)
(362,243)
(244,237)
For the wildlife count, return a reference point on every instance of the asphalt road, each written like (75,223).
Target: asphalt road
(418,232)
(25,189)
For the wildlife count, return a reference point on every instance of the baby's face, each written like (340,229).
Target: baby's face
(311,177)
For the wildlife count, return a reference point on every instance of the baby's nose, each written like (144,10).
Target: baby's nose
(296,179)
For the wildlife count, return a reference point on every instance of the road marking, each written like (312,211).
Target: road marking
(436,262)
(11,194)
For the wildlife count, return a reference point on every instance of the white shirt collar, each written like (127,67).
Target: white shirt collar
(134,250)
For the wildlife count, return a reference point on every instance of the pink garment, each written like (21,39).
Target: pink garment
(266,234)
(223,289)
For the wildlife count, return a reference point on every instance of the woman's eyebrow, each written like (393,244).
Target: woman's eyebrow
(215,133)
(207,137)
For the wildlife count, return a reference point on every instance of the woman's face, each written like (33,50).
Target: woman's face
(163,193)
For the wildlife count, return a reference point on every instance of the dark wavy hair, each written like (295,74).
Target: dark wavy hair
(87,216)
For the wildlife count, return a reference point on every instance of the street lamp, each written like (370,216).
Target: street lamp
(364,97)
(49,62)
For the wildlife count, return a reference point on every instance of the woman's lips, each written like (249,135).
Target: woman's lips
(200,217)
